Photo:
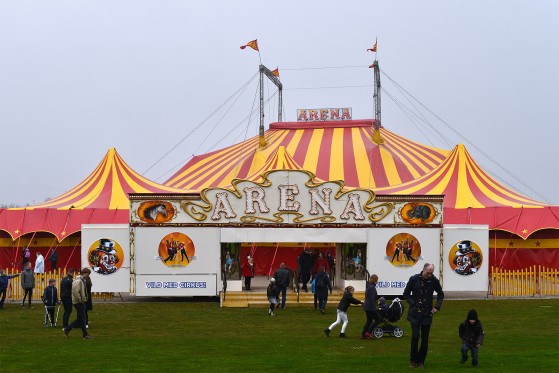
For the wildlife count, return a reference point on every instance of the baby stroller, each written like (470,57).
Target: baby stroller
(389,315)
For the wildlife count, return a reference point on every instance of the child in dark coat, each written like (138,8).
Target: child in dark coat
(50,299)
(471,333)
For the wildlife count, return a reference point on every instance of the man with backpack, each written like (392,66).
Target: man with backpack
(321,286)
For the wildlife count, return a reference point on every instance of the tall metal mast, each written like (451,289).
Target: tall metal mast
(376,125)
(265,71)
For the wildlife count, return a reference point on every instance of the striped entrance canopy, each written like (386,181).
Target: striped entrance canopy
(102,198)
(337,150)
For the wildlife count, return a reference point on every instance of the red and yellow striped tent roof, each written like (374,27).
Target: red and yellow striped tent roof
(343,150)
(464,184)
(474,197)
(102,198)
(339,150)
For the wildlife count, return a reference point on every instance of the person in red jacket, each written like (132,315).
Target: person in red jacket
(248,271)
(321,261)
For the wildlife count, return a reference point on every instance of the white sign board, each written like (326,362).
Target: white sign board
(173,260)
(466,257)
(392,264)
(105,250)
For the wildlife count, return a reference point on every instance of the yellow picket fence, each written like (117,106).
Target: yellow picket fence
(15,291)
(527,282)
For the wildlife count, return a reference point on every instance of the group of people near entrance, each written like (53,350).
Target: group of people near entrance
(418,293)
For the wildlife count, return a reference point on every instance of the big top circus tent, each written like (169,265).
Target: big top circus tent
(523,231)
(101,198)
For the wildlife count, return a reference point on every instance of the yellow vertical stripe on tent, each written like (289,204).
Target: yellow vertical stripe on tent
(119,199)
(364,174)
(464,196)
(337,155)
(294,142)
(389,167)
(313,151)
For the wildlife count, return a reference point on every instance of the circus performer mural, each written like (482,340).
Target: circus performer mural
(176,250)
(105,256)
(403,250)
(465,258)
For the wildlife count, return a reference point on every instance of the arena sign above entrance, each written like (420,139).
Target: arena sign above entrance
(286,197)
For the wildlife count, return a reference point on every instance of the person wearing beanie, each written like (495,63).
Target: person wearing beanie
(471,333)
(273,295)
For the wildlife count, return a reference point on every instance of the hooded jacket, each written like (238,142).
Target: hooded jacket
(27,279)
(471,333)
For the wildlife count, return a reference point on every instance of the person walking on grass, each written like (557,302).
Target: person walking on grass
(272,292)
(471,333)
(347,299)
(282,280)
(322,285)
(66,296)
(370,308)
(79,297)
(27,283)
(419,294)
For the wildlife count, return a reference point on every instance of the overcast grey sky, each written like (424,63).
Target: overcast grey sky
(80,77)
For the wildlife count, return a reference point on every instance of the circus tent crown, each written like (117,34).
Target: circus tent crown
(336,150)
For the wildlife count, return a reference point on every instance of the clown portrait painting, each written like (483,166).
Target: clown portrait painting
(105,256)
(465,258)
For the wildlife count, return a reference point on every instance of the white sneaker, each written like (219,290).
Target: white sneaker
(271,314)
(269,311)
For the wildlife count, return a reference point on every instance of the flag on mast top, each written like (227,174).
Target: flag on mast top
(374,48)
(254,45)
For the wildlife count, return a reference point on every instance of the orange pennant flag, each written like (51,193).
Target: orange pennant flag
(275,72)
(373,49)
(253,44)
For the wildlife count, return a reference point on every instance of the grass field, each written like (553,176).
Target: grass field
(175,336)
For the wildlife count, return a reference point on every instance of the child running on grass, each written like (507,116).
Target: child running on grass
(471,333)
(273,295)
(346,300)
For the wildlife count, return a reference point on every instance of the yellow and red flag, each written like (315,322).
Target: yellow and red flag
(253,44)
(275,72)
(374,48)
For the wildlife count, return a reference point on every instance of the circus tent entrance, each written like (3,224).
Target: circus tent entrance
(271,247)
(344,259)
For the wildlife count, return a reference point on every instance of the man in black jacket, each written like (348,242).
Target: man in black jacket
(419,294)
(282,280)
(66,296)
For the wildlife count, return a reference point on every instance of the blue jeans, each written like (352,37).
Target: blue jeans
(469,346)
